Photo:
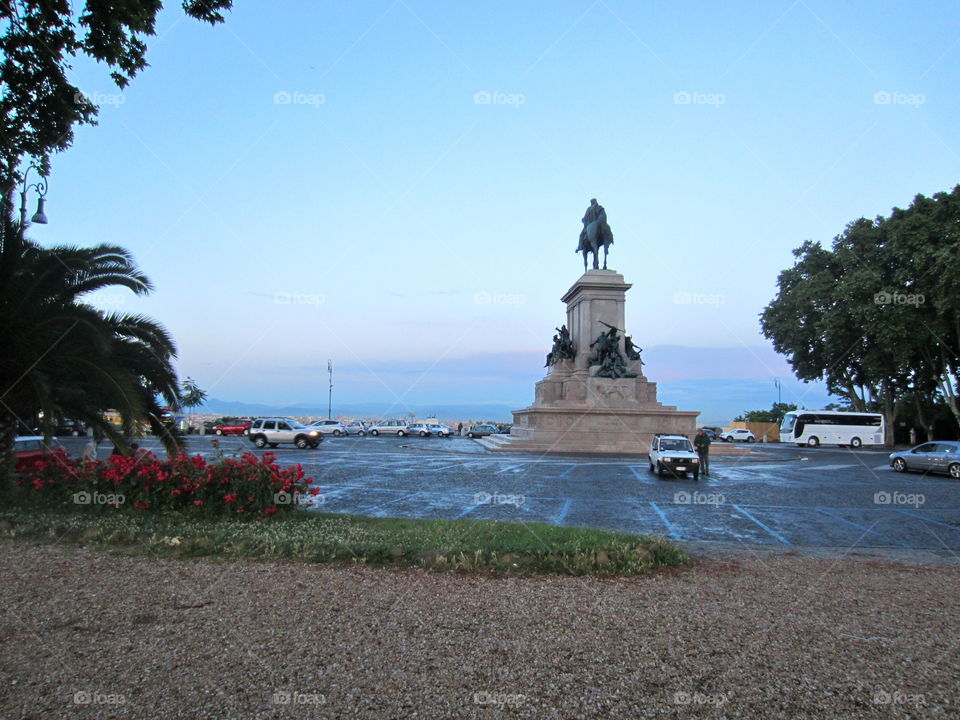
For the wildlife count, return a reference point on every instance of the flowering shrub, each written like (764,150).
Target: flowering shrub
(248,486)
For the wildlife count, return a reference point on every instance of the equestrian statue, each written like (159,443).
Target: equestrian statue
(595,234)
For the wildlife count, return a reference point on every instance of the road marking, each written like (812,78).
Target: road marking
(467,511)
(860,527)
(508,468)
(773,533)
(558,520)
(670,528)
(829,467)
(925,519)
(636,472)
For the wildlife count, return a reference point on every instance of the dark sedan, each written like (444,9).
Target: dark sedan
(482,430)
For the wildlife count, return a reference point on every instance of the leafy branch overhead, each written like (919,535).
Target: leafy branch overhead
(39,104)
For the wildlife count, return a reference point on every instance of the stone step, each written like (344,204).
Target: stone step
(490,444)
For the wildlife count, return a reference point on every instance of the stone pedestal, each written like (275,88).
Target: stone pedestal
(574,410)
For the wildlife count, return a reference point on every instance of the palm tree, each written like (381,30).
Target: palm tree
(63,357)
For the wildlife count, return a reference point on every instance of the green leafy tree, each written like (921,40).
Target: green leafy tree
(774,414)
(39,106)
(63,357)
(878,315)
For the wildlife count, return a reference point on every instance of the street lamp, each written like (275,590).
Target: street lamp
(39,217)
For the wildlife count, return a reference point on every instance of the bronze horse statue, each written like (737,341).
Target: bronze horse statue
(596,233)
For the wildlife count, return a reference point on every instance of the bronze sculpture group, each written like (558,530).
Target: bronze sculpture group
(563,348)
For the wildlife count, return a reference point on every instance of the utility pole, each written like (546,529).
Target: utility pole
(776,381)
(330,395)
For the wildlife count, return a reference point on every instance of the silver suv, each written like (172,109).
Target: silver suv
(329,427)
(273,431)
(390,427)
(673,454)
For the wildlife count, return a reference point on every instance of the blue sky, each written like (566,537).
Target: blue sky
(352,181)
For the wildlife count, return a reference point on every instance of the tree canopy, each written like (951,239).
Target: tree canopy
(39,105)
(774,414)
(877,316)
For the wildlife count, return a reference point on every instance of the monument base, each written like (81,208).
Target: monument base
(595,431)
(575,409)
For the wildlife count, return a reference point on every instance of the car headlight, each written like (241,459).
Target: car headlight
(694,462)
(313,433)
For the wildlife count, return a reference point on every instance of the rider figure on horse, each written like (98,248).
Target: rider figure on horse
(596,233)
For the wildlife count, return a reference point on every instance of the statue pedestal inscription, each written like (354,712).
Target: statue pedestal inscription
(599,400)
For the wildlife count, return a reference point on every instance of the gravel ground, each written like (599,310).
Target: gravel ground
(88,633)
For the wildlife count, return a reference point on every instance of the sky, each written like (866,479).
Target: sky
(397,186)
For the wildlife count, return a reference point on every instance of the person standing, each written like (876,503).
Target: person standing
(702,443)
(90,449)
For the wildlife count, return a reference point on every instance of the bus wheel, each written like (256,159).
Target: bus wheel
(855,443)
(814,441)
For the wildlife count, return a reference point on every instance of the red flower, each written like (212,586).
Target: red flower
(314,491)
(198,503)
(140,505)
(272,510)
(229,498)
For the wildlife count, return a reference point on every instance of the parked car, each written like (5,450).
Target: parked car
(421,429)
(942,457)
(357,427)
(738,435)
(237,427)
(30,448)
(273,431)
(329,427)
(482,430)
(390,427)
(673,454)
(710,433)
(440,430)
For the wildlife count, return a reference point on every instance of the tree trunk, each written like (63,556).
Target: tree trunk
(8,431)
(921,415)
(889,411)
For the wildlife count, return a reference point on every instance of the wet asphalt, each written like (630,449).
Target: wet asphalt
(784,496)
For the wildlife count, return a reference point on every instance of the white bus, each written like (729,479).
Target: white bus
(819,427)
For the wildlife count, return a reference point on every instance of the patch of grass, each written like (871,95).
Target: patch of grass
(465,545)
